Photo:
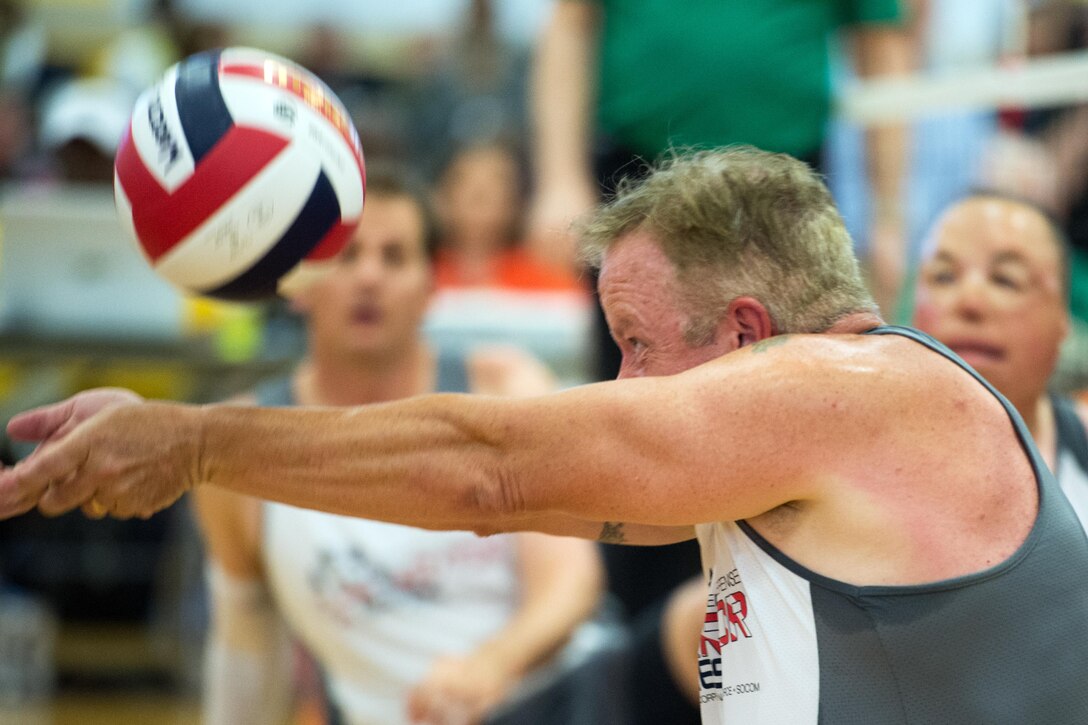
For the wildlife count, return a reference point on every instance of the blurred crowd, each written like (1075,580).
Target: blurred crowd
(423,99)
(515,140)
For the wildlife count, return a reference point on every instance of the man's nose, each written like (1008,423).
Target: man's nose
(972,296)
(367,269)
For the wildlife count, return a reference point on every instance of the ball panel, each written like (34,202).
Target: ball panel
(298,81)
(204,116)
(238,234)
(254,101)
(124,213)
(320,214)
(162,219)
(331,244)
(158,137)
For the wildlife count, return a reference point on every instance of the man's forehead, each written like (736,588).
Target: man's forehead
(634,253)
(1002,227)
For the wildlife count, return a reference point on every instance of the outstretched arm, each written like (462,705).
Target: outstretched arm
(668,451)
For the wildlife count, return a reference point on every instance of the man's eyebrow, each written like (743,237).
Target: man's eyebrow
(1014,257)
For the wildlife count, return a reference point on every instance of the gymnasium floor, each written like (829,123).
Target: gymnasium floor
(110,674)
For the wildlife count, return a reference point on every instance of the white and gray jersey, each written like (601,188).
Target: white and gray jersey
(783,644)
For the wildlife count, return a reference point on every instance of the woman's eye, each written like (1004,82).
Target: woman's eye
(1004,280)
(941,277)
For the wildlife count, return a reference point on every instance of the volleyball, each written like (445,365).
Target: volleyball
(240,176)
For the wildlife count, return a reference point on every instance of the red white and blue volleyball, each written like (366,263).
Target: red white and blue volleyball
(241,175)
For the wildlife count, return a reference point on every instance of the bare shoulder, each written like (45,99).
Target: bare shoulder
(873,368)
(846,393)
(866,371)
(875,428)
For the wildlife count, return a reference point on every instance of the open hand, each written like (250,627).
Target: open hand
(107,451)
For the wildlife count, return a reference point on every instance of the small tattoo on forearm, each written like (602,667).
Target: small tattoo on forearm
(612,533)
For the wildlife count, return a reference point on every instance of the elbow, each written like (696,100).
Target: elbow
(498,502)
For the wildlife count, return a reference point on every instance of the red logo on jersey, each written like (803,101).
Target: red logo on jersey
(726,612)
(729,613)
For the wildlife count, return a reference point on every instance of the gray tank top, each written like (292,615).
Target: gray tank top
(1005,645)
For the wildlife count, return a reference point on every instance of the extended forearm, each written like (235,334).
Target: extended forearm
(426,462)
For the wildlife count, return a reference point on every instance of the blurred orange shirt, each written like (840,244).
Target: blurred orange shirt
(514,269)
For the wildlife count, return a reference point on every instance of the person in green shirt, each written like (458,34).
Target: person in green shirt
(615,81)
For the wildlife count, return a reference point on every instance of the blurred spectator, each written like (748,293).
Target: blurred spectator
(22,58)
(324,53)
(491,289)
(948,148)
(994,287)
(377,98)
(1041,154)
(480,203)
(473,90)
(140,52)
(618,83)
(82,124)
(1060,27)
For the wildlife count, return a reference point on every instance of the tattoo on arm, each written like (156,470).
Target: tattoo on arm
(612,533)
(767,344)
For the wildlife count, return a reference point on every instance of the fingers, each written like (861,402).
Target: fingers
(12,502)
(19,492)
(93,509)
(447,696)
(56,420)
(46,479)
(40,423)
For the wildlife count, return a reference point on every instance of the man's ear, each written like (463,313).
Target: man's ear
(747,322)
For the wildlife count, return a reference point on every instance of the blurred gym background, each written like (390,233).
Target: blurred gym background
(102,622)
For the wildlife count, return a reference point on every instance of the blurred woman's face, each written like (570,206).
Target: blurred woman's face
(480,198)
(990,288)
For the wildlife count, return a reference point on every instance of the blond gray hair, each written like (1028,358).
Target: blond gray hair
(739,222)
